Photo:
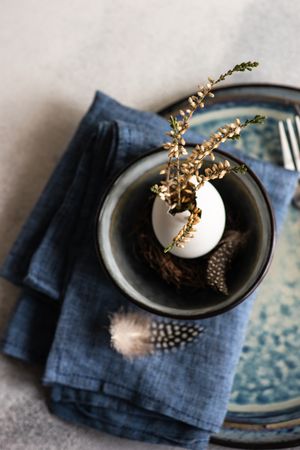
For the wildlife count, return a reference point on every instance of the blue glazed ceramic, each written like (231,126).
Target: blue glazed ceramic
(117,218)
(264,410)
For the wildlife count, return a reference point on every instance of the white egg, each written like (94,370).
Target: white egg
(208,231)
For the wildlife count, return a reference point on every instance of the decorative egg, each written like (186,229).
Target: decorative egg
(208,231)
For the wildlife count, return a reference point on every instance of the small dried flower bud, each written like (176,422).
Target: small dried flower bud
(211,94)
(188,111)
(191,102)
(208,85)
(201,105)
(211,80)
(226,163)
(200,94)
(162,172)
(182,113)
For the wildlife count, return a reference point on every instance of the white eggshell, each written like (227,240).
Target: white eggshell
(208,231)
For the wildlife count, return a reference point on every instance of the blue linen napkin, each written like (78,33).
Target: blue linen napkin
(61,318)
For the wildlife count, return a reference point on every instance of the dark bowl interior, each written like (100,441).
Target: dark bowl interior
(244,200)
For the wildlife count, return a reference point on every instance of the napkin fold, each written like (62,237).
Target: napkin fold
(62,316)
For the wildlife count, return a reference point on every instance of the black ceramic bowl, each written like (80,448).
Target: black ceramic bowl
(126,197)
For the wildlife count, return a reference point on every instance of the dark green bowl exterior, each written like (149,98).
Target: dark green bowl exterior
(243,196)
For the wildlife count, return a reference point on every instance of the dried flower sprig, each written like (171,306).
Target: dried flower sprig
(177,189)
(176,147)
(216,171)
(186,232)
(194,162)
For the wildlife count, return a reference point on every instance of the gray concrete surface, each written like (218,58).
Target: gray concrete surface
(145,53)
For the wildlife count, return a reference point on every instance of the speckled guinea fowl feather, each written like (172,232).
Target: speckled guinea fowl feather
(134,334)
(220,261)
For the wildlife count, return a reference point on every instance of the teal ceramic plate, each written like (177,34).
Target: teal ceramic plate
(264,409)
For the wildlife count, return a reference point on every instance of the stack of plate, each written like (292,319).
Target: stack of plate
(264,410)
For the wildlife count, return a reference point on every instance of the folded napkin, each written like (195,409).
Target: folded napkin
(62,316)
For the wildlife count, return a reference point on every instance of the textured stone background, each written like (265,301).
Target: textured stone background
(145,53)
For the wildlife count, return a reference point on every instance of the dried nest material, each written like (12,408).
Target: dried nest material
(136,334)
(179,272)
(199,273)
(221,259)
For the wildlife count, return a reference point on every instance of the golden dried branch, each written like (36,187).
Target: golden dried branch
(176,189)
(186,232)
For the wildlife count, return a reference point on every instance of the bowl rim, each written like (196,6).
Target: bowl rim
(261,275)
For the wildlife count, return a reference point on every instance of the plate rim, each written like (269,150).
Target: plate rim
(176,104)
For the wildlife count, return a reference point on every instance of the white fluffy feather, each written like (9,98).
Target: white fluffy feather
(131,334)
